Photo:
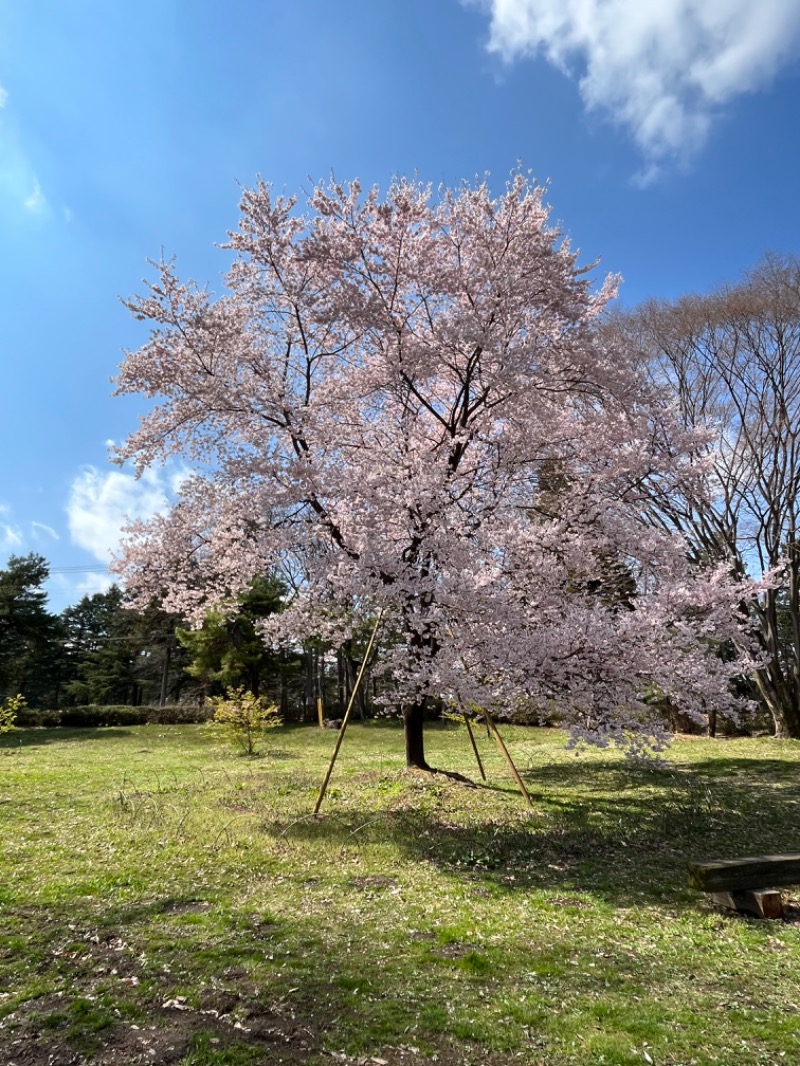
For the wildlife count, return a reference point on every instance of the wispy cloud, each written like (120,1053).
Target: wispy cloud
(101,504)
(19,183)
(11,537)
(36,201)
(38,528)
(662,70)
(16,536)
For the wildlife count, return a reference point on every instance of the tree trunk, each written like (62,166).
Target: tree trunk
(284,698)
(780,699)
(341,687)
(351,673)
(414,722)
(309,708)
(786,721)
(423,648)
(162,698)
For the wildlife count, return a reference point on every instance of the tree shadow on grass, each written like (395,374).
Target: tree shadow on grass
(29,738)
(620,831)
(780,772)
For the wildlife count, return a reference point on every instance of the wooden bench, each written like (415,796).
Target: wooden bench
(746,885)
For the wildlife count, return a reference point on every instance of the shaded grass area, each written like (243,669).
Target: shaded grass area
(166,901)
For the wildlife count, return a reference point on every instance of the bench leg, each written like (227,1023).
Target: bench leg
(762,903)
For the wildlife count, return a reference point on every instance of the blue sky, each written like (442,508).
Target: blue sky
(668,133)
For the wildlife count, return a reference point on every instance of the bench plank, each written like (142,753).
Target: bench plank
(730,875)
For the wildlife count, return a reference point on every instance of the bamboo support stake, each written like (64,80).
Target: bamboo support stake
(474,747)
(492,729)
(319,711)
(352,700)
(501,745)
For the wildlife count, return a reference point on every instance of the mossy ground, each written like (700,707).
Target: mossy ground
(166,901)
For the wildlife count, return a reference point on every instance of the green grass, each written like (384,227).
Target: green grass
(164,900)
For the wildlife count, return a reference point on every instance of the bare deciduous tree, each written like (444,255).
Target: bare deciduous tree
(732,362)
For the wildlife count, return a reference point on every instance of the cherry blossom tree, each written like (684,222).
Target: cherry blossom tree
(404,406)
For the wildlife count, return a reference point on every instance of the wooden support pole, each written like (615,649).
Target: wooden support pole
(515,773)
(319,712)
(474,747)
(351,701)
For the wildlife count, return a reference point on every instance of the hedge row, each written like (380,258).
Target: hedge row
(94,715)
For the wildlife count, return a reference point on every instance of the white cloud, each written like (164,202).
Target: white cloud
(101,504)
(15,536)
(36,200)
(11,536)
(40,527)
(661,69)
(19,182)
(64,590)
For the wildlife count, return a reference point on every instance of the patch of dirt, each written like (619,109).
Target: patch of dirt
(261,926)
(166,1037)
(456,950)
(448,1053)
(169,1036)
(372,882)
(34,1036)
(184,906)
(98,954)
(52,1031)
(433,775)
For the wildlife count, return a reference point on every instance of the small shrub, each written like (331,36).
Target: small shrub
(241,719)
(9,710)
(94,715)
(27,717)
(97,715)
(179,714)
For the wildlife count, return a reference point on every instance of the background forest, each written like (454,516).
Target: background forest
(100,652)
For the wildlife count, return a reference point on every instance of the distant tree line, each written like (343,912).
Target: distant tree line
(101,651)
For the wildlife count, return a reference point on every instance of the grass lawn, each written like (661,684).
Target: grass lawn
(163,900)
